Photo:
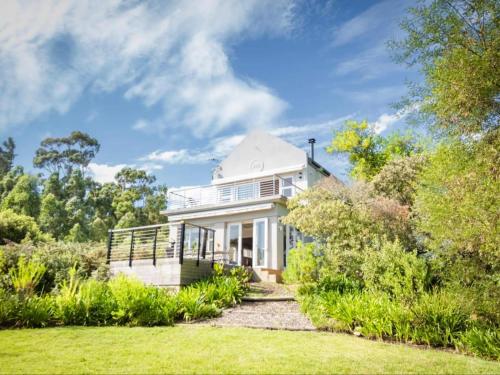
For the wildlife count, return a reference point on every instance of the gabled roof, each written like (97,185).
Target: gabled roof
(260,152)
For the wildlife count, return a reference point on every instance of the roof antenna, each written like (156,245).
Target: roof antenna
(312,141)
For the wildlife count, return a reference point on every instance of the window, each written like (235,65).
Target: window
(260,242)
(245,192)
(287,187)
(225,193)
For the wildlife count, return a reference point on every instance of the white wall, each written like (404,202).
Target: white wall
(260,152)
(275,239)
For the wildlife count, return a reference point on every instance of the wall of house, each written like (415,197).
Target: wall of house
(260,152)
(313,175)
(275,231)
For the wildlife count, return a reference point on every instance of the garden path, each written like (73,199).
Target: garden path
(267,305)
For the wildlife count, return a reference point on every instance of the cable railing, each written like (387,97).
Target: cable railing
(233,192)
(154,242)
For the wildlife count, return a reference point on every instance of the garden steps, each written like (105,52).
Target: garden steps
(268,306)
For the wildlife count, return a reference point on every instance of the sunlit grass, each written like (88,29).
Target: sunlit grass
(201,349)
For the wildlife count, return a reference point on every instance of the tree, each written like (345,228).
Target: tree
(17,227)
(398,179)
(457,45)
(53,217)
(7,156)
(66,153)
(457,204)
(24,197)
(346,222)
(368,151)
(138,198)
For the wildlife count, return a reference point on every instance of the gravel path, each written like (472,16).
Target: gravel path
(264,314)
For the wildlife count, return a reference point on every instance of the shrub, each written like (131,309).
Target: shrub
(58,258)
(8,308)
(34,311)
(86,302)
(303,264)
(439,319)
(141,305)
(16,227)
(26,276)
(395,271)
(436,319)
(483,342)
(338,283)
(193,304)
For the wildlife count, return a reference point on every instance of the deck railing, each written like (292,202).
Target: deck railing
(154,242)
(233,192)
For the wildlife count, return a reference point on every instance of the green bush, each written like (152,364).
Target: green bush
(8,308)
(436,319)
(16,227)
(393,270)
(87,302)
(484,342)
(302,264)
(193,304)
(58,258)
(122,301)
(26,276)
(34,312)
(439,319)
(141,305)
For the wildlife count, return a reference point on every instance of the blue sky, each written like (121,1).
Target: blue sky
(168,86)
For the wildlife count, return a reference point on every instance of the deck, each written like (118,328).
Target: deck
(154,256)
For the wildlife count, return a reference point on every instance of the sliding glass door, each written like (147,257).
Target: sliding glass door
(260,243)
(234,243)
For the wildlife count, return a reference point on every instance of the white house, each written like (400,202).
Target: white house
(244,202)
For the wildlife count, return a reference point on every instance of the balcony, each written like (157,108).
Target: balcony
(272,186)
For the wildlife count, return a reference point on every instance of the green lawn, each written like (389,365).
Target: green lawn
(188,349)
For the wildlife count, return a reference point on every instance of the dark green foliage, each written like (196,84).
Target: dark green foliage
(456,43)
(58,258)
(7,156)
(17,228)
(66,153)
(484,342)
(78,298)
(141,305)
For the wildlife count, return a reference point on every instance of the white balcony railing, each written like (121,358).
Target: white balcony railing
(227,193)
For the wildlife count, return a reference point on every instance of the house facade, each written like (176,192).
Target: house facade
(244,202)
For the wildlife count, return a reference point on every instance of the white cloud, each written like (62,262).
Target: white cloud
(387,120)
(376,18)
(220,147)
(371,63)
(173,54)
(105,173)
(384,121)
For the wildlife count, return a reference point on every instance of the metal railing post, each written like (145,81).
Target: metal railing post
(154,246)
(110,241)
(181,243)
(213,248)
(199,245)
(131,253)
(205,241)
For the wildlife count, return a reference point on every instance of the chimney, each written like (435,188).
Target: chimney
(312,141)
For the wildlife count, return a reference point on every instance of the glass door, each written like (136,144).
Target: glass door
(260,243)
(234,243)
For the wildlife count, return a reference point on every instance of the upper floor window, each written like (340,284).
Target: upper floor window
(286,186)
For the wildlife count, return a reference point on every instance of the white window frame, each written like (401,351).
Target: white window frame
(290,187)
(240,233)
(266,243)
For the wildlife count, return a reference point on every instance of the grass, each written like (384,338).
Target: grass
(202,349)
